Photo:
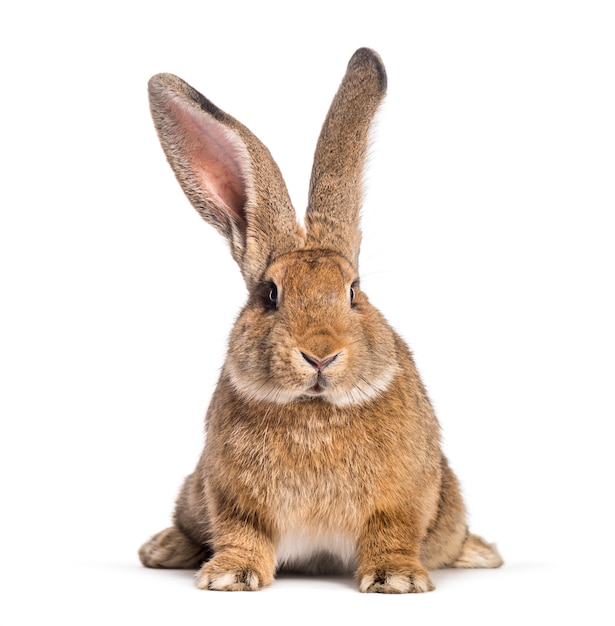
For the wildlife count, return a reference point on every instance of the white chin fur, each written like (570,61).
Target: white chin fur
(362,392)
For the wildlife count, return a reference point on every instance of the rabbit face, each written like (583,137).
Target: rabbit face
(309,333)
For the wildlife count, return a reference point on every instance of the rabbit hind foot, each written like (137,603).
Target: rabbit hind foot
(172,549)
(477,553)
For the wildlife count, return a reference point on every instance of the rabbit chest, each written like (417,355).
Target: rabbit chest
(315,478)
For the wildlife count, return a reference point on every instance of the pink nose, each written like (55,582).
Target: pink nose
(318,363)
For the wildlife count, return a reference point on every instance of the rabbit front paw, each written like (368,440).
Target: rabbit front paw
(222,574)
(393,580)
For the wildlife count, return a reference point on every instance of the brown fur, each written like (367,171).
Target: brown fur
(322,449)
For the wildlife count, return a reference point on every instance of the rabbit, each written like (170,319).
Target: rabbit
(322,450)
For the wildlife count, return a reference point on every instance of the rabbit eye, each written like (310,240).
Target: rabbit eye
(272,296)
(267,293)
(353,294)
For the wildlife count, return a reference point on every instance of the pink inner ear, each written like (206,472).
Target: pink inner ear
(217,158)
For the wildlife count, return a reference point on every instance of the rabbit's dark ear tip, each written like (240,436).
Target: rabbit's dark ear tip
(365,57)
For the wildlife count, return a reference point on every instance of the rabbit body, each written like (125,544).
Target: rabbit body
(322,451)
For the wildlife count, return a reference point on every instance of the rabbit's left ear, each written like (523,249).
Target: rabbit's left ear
(228,175)
(332,216)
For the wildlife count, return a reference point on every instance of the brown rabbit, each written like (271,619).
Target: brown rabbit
(322,450)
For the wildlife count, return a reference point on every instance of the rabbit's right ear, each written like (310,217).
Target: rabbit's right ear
(333,212)
(227,174)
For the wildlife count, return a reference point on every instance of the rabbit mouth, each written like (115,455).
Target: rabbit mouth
(319,387)
(316,389)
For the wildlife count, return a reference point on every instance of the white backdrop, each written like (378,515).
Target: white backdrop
(488,243)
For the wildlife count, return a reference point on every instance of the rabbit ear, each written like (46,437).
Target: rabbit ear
(228,175)
(332,217)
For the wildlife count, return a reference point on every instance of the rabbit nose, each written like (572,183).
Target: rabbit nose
(319,364)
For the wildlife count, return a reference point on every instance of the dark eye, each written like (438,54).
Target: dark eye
(353,294)
(271,296)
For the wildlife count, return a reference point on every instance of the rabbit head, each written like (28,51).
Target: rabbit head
(308,331)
